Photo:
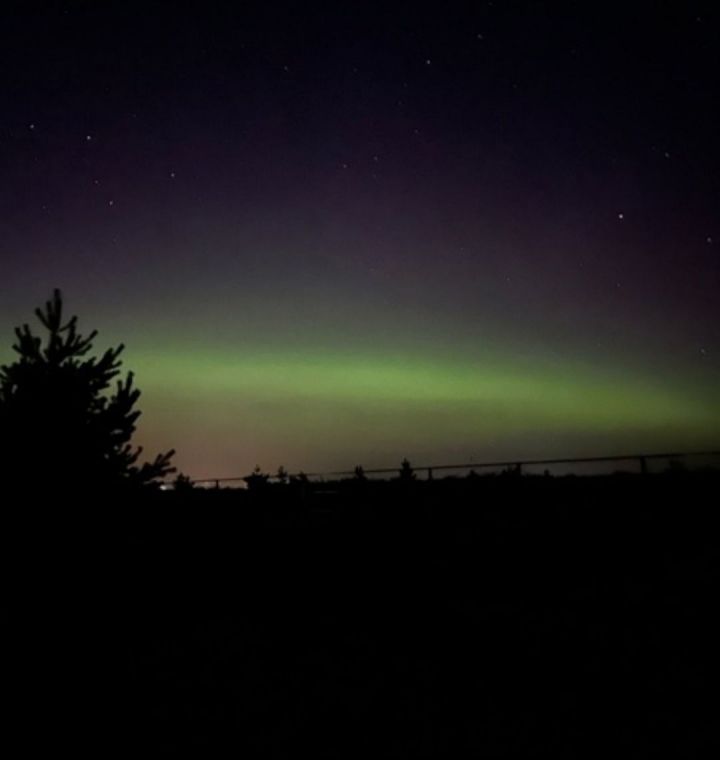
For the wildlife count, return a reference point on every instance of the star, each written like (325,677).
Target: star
(428,62)
(111,203)
(31,126)
(708,240)
(172,175)
(621,216)
(88,138)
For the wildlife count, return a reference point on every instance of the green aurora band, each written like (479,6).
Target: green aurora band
(314,410)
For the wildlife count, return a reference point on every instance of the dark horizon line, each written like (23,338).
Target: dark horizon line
(481,465)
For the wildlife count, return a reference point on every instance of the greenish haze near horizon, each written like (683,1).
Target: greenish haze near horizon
(227,402)
(327,410)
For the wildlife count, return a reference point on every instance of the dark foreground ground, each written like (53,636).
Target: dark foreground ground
(502,617)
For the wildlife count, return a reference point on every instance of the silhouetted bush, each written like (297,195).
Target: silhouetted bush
(183,483)
(406,473)
(256,479)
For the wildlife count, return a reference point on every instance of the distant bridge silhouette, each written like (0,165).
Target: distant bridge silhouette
(516,465)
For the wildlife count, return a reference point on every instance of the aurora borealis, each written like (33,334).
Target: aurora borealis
(331,236)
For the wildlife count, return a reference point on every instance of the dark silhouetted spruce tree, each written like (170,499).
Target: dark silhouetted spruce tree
(63,427)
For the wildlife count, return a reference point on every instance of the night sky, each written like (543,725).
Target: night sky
(342,233)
